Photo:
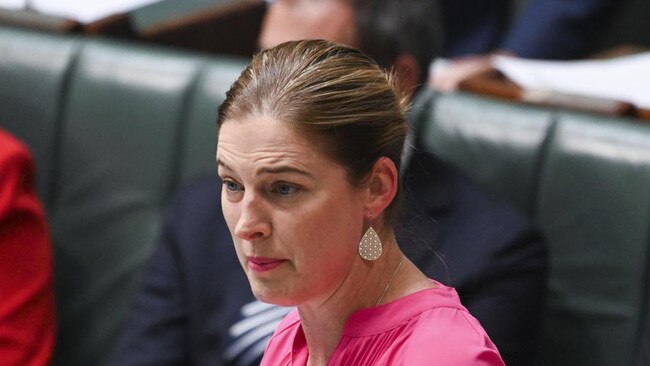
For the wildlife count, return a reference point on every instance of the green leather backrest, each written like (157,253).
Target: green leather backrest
(200,134)
(594,207)
(34,71)
(497,144)
(118,127)
(586,182)
(120,142)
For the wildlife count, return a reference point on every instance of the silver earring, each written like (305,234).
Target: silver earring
(370,245)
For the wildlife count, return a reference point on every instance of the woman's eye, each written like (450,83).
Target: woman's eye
(286,189)
(231,186)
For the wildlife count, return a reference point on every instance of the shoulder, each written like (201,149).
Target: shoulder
(453,337)
(439,327)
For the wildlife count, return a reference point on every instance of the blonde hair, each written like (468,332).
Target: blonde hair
(335,95)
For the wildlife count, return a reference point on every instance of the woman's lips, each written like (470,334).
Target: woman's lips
(262,264)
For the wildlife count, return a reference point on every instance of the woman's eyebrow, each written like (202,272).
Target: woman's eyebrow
(224,165)
(283,169)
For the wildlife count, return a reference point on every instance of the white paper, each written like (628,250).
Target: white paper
(12,4)
(84,11)
(624,79)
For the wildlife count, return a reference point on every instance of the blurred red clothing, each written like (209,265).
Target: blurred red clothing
(27,319)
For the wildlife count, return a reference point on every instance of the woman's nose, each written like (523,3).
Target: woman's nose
(253,221)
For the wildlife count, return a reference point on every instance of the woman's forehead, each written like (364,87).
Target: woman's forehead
(265,141)
(261,131)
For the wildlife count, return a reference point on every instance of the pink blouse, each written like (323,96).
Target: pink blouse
(429,327)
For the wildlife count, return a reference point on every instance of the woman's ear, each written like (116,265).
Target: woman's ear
(382,186)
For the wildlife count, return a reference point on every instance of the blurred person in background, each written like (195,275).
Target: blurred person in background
(194,305)
(474,31)
(27,319)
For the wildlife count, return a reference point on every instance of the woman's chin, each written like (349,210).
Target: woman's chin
(275,300)
(272,296)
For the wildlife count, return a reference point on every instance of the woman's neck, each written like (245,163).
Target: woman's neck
(323,320)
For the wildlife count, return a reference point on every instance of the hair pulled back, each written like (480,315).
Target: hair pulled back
(334,95)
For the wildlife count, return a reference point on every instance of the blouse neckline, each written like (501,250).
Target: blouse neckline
(379,319)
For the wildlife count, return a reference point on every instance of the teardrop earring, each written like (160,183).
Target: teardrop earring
(370,247)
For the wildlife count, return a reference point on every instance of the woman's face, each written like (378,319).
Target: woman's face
(294,217)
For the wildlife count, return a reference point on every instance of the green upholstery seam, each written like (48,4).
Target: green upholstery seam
(645,299)
(183,128)
(55,171)
(540,166)
(418,116)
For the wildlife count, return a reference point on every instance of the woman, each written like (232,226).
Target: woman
(310,142)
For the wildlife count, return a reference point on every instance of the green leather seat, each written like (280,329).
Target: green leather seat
(34,71)
(115,129)
(586,182)
(120,142)
(134,118)
(200,123)
(594,207)
(496,143)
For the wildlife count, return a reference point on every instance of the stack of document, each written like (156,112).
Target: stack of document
(625,79)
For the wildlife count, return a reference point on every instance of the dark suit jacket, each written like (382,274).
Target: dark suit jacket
(547,29)
(194,288)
